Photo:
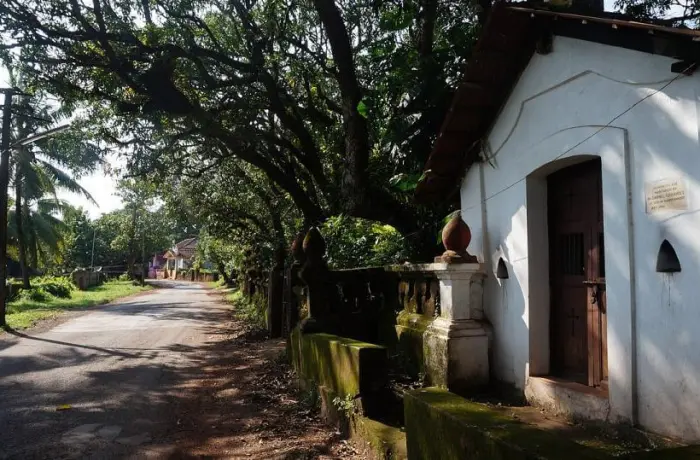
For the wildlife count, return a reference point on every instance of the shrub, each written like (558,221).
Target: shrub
(35,294)
(56,286)
(353,242)
(220,282)
(124,277)
(250,309)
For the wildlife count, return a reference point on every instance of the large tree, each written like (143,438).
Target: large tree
(236,201)
(677,13)
(329,99)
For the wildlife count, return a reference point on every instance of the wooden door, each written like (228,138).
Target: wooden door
(578,323)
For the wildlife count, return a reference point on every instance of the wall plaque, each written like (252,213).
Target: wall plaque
(666,195)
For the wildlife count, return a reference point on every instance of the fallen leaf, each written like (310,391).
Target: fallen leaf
(64,407)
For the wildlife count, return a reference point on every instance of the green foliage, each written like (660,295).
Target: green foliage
(345,405)
(78,239)
(362,109)
(124,277)
(682,13)
(407,182)
(120,236)
(57,286)
(250,310)
(220,283)
(35,294)
(355,242)
(143,226)
(224,255)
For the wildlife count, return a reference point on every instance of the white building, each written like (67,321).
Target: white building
(573,146)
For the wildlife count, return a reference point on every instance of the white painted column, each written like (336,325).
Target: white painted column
(456,344)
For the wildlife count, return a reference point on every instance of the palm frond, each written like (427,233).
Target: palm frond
(70,149)
(52,205)
(46,228)
(40,181)
(35,184)
(64,181)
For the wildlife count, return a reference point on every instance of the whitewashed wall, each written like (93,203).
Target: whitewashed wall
(555,114)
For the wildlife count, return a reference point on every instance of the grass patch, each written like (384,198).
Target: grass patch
(220,284)
(250,310)
(23,313)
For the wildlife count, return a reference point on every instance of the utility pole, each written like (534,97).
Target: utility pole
(22,131)
(92,257)
(144,269)
(4,179)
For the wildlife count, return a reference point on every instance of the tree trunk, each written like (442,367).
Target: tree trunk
(132,246)
(32,249)
(484,11)
(144,268)
(353,186)
(426,36)
(222,271)
(21,238)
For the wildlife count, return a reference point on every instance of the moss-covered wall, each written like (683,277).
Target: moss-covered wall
(345,366)
(341,367)
(443,426)
(409,331)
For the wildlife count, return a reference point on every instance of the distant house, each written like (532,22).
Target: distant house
(180,256)
(156,265)
(158,261)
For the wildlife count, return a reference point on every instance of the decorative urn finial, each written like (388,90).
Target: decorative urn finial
(314,246)
(297,248)
(456,237)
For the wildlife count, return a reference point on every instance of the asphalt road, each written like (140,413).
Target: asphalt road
(105,384)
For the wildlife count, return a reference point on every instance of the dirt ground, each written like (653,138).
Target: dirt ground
(243,404)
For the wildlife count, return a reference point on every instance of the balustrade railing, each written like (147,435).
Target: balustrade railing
(361,303)
(418,289)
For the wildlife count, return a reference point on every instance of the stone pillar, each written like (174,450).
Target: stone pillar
(456,344)
(294,284)
(275,294)
(315,274)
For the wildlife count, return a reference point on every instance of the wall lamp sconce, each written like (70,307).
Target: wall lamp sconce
(501,269)
(667,260)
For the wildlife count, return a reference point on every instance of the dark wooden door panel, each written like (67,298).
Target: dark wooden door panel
(578,323)
(570,335)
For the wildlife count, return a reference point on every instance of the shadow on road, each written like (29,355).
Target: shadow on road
(108,351)
(228,396)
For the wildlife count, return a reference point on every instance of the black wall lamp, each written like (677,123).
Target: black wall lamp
(667,260)
(501,269)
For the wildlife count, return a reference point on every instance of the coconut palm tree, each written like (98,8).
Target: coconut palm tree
(43,231)
(35,218)
(37,180)
(37,174)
